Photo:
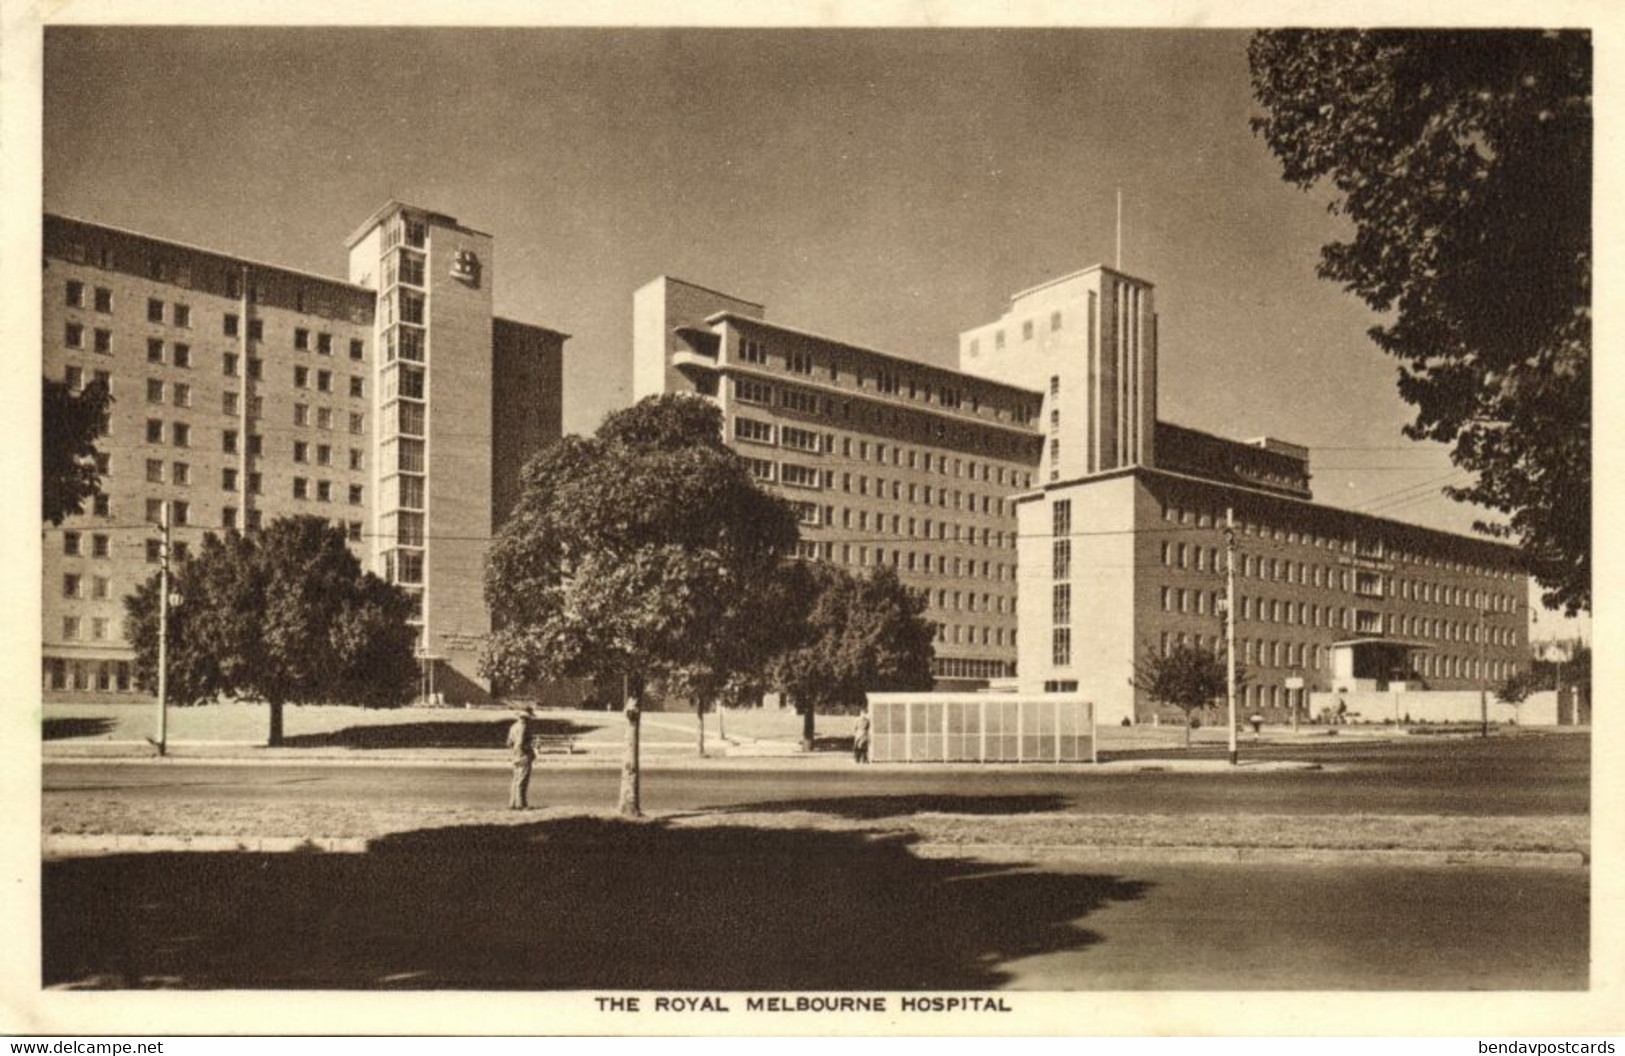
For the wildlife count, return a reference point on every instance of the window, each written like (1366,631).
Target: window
(155,390)
(301,488)
(301,377)
(752,430)
(102,341)
(104,299)
(180,434)
(75,294)
(358,348)
(155,350)
(1055,321)
(324,381)
(181,473)
(182,395)
(358,422)
(228,480)
(324,491)
(324,344)
(356,458)
(1061,646)
(155,431)
(98,546)
(749,390)
(73,335)
(183,316)
(1027,330)
(229,325)
(301,451)
(356,382)
(355,495)
(256,329)
(256,368)
(155,310)
(228,441)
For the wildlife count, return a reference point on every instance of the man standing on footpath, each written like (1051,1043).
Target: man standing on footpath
(523,754)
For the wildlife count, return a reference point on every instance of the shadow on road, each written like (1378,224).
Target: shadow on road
(67,729)
(871,808)
(570,903)
(492,734)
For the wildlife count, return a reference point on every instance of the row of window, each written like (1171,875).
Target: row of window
(971,667)
(887,380)
(1303,614)
(180,433)
(1359,581)
(161,268)
(1028,327)
(105,675)
(964,634)
(1372,547)
(97,588)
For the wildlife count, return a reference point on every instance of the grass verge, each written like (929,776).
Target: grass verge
(1319,832)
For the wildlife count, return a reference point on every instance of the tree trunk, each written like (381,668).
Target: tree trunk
(807,728)
(630,805)
(1187,730)
(275,739)
(699,713)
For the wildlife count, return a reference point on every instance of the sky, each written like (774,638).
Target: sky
(889,187)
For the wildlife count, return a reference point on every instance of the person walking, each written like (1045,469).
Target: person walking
(860,739)
(523,754)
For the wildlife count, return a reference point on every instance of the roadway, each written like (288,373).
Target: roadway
(1524,775)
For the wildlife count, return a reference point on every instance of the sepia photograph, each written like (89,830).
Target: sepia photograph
(869,528)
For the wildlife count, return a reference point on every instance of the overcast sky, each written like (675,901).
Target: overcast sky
(891,187)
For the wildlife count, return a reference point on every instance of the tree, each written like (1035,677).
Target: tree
(1463,161)
(637,553)
(285,615)
(1188,677)
(71,426)
(857,634)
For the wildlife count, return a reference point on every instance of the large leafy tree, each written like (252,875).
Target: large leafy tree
(1188,677)
(640,553)
(1462,160)
(857,635)
(72,424)
(285,615)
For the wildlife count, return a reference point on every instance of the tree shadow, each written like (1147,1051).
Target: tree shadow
(67,729)
(570,903)
(489,734)
(873,808)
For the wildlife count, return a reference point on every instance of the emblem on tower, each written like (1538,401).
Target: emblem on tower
(465,267)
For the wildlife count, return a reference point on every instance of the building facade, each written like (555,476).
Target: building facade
(395,404)
(1060,531)
(888,461)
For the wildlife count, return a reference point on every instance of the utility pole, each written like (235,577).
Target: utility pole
(1483,691)
(1230,622)
(163,633)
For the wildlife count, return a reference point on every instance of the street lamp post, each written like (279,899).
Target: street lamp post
(1230,623)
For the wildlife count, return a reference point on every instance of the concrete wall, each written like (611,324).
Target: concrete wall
(658,308)
(527,404)
(1103,594)
(135,269)
(1419,706)
(458,524)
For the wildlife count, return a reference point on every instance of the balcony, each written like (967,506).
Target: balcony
(700,354)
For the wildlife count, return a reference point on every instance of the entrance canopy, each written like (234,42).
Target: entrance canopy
(1373,660)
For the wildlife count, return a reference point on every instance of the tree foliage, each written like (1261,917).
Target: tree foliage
(1188,677)
(285,615)
(640,551)
(1462,159)
(854,635)
(71,425)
